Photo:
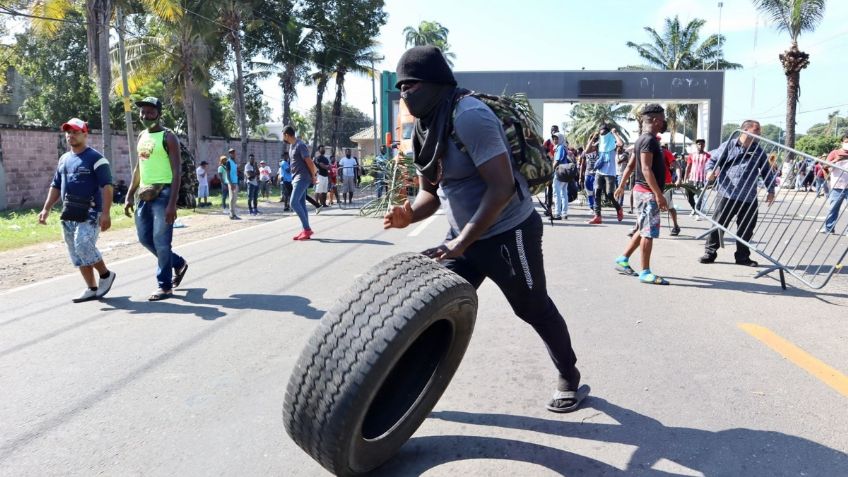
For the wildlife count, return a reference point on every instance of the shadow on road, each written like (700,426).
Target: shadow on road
(214,308)
(362,242)
(765,288)
(730,452)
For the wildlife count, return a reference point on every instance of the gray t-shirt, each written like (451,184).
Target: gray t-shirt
(461,189)
(298,155)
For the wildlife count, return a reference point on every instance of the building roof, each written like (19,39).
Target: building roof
(366,134)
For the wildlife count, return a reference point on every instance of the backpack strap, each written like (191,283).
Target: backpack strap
(462,148)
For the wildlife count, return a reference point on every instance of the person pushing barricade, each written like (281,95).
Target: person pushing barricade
(495,232)
(735,166)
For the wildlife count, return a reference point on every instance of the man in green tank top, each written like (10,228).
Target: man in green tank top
(156,178)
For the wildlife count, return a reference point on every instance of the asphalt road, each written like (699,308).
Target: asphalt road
(194,386)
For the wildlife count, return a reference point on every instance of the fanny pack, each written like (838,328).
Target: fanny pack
(75,208)
(149,192)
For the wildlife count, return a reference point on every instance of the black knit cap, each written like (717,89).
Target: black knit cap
(424,63)
(652,108)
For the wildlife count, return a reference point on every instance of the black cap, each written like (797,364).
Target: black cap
(203,163)
(653,108)
(150,101)
(424,63)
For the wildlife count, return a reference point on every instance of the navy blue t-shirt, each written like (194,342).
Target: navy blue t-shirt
(83,175)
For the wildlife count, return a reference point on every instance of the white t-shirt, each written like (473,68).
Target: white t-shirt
(249,168)
(348,166)
(201,176)
(264,173)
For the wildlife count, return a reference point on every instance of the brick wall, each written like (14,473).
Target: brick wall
(29,158)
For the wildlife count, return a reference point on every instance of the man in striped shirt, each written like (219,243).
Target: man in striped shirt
(696,174)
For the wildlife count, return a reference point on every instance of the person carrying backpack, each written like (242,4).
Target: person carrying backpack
(495,231)
(562,176)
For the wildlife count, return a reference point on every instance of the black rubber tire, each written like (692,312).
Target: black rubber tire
(378,362)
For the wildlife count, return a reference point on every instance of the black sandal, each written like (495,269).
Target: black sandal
(160,295)
(179,274)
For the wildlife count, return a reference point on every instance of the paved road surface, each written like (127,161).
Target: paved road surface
(194,386)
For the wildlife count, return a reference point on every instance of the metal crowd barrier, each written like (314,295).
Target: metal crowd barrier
(790,232)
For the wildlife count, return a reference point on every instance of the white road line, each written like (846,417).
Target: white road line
(143,255)
(423,225)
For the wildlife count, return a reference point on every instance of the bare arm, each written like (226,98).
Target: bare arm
(176,177)
(426,204)
(105,218)
(130,200)
(52,198)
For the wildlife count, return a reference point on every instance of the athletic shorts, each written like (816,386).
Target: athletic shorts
(349,184)
(649,215)
(323,185)
(203,191)
(81,239)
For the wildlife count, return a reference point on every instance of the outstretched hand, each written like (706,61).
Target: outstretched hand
(398,217)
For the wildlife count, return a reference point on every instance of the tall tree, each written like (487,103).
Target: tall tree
(678,48)
(587,118)
(181,44)
(430,33)
(793,17)
(351,47)
(231,14)
(281,38)
(97,15)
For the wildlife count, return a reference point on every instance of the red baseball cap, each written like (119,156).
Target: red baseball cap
(75,124)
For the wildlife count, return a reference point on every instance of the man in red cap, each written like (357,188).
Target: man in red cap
(83,181)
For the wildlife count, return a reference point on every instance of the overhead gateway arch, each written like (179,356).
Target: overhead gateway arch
(704,88)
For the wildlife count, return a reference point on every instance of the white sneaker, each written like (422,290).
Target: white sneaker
(87,294)
(105,284)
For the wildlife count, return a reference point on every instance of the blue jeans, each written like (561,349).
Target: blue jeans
(252,196)
(560,206)
(155,235)
(835,199)
(298,199)
(589,182)
(225,192)
(821,183)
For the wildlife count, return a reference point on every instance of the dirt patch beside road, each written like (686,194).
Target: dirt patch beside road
(50,259)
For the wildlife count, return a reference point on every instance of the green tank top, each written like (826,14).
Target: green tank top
(153,160)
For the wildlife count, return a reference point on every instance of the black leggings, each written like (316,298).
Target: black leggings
(513,260)
(605,186)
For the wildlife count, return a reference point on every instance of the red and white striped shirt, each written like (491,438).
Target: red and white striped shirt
(696,163)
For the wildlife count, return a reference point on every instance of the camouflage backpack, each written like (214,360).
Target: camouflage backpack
(526,146)
(188,176)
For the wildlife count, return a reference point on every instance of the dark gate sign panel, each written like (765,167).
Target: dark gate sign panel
(600,89)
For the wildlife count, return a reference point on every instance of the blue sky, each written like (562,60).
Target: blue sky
(570,35)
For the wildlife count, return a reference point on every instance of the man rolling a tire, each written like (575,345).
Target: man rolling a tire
(495,231)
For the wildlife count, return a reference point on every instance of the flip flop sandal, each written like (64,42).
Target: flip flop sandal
(625,270)
(652,279)
(160,295)
(576,397)
(178,276)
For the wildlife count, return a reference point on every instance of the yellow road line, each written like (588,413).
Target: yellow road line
(799,357)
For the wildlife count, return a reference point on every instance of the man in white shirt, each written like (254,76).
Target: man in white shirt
(202,185)
(349,168)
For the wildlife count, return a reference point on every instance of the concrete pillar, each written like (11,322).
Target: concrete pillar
(538,106)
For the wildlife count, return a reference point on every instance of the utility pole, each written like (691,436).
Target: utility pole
(374,102)
(720,52)
(125,83)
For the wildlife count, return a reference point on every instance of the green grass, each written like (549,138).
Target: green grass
(19,228)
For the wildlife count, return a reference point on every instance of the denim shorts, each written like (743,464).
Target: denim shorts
(81,239)
(649,215)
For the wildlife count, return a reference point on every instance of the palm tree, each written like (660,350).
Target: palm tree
(793,17)
(182,45)
(588,118)
(97,14)
(231,14)
(355,60)
(677,48)
(324,60)
(430,33)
